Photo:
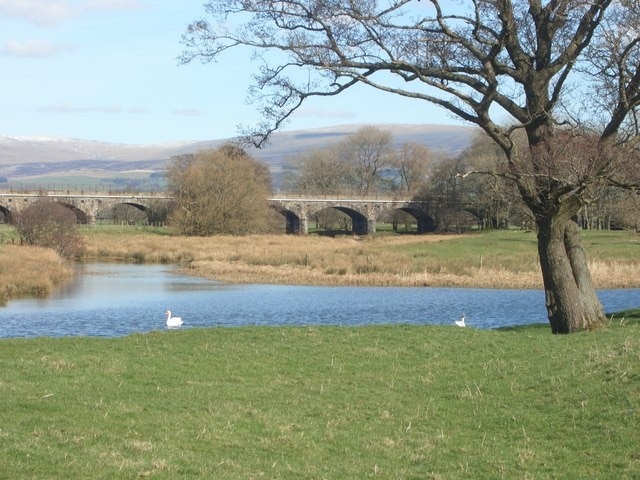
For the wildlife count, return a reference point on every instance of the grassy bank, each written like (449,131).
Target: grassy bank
(324,403)
(30,271)
(500,259)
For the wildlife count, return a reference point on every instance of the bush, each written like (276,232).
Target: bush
(51,225)
(221,191)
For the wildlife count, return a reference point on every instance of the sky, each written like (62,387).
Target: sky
(107,70)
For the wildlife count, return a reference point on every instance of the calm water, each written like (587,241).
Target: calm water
(115,300)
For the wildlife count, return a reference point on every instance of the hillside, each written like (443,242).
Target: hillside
(38,159)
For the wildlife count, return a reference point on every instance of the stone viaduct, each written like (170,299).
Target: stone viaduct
(297,210)
(364,211)
(86,205)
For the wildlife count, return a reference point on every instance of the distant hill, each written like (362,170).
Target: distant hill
(24,158)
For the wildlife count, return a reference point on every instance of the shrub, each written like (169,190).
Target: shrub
(51,225)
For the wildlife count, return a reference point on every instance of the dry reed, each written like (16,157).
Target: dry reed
(311,260)
(28,270)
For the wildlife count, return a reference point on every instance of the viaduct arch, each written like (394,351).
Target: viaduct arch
(364,212)
(85,206)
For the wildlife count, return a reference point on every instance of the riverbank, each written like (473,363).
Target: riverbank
(500,259)
(30,271)
(324,402)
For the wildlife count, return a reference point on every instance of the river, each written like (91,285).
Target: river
(110,300)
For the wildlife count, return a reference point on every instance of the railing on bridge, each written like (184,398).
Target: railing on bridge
(371,197)
(50,189)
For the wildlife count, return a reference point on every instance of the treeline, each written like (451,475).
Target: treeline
(470,191)
(222,191)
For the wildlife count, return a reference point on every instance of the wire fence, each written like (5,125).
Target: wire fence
(68,189)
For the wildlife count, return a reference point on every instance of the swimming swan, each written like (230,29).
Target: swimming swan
(173,321)
(460,322)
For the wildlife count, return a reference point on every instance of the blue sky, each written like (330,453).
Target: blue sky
(106,70)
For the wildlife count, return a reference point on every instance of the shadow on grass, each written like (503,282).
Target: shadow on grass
(624,317)
(524,328)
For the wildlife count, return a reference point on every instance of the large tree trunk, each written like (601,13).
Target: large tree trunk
(571,299)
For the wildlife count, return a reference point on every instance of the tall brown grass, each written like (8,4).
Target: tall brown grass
(29,270)
(431,260)
(304,260)
(312,260)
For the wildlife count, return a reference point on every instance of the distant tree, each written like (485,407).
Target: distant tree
(367,153)
(357,164)
(627,212)
(52,225)
(318,172)
(413,162)
(158,211)
(491,198)
(445,195)
(221,191)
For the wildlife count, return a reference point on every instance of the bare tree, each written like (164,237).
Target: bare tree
(367,153)
(355,165)
(318,172)
(445,195)
(413,162)
(627,212)
(52,225)
(490,197)
(219,191)
(479,60)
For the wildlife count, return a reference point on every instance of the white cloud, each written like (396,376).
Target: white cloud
(34,48)
(39,12)
(53,12)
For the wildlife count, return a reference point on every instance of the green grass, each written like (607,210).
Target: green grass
(394,402)
(516,250)
(610,245)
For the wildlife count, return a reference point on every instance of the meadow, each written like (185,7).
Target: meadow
(389,402)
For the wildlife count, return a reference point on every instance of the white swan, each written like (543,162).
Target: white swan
(460,322)
(173,321)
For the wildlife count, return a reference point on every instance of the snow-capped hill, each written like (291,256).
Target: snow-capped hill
(24,156)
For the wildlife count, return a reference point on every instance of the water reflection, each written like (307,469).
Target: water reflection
(114,300)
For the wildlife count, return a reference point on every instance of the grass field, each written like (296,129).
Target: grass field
(394,402)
